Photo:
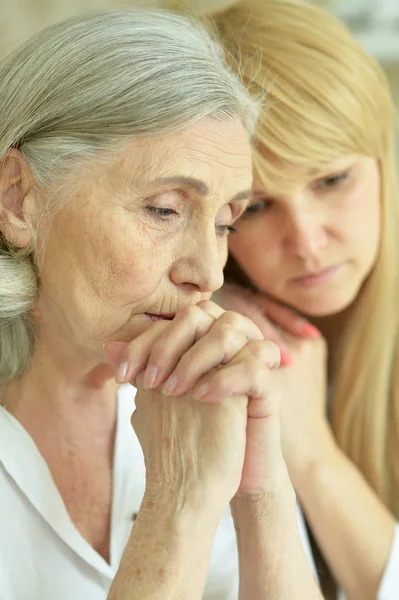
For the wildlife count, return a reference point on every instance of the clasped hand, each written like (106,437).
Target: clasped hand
(207,406)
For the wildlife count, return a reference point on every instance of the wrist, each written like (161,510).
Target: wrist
(322,451)
(172,509)
(265,506)
(311,471)
(167,555)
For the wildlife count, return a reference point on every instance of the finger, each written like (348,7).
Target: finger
(212,309)
(248,374)
(286,358)
(267,328)
(190,324)
(228,336)
(130,359)
(217,348)
(252,305)
(289,320)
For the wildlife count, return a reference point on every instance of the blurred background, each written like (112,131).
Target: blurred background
(374,22)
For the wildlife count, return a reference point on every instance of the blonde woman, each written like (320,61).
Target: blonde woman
(120,134)
(317,252)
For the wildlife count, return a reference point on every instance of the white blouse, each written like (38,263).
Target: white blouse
(42,554)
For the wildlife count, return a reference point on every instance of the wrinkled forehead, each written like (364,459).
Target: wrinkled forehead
(215,152)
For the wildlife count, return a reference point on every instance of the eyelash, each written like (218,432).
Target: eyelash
(259,206)
(164,213)
(331,182)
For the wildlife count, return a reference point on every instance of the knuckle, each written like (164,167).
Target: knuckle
(226,335)
(242,323)
(189,312)
(208,306)
(232,318)
(160,348)
(264,350)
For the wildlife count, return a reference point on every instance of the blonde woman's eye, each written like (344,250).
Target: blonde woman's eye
(225,229)
(333,181)
(257,207)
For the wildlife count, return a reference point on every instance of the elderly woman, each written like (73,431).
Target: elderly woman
(125,161)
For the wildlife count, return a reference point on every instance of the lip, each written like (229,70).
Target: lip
(320,277)
(165,317)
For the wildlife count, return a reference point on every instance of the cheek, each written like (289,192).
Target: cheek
(126,266)
(98,262)
(254,248)
(359,223)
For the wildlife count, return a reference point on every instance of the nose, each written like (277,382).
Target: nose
(306,235)
(200,264)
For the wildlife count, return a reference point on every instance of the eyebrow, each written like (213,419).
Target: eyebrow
(199,186)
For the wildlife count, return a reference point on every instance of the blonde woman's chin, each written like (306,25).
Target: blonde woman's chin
(326,304)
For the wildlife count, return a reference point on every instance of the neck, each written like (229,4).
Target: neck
(56,388)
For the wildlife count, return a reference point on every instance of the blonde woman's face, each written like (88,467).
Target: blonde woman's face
(311,241)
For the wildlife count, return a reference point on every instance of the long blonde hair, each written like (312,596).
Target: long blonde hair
(326,97)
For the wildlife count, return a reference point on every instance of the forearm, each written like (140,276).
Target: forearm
(166,558)
(352,527)
(272,560)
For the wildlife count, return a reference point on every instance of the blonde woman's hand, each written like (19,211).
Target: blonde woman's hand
(272,318)
(207,408)
(306,433)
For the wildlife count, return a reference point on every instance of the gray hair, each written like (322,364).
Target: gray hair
(82,88)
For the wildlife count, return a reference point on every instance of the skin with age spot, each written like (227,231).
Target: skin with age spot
(95,272)
(101,273)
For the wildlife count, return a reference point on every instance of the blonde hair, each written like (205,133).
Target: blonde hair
(77,92)
(326,97)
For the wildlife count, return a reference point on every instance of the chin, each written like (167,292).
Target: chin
(325,305)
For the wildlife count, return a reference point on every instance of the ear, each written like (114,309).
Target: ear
(18,203)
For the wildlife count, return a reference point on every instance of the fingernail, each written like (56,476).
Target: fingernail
(121,372)
(150,377)
(286,359)
(310,331)
(202,391)
(170,385)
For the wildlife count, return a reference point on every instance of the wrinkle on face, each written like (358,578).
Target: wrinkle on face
(108,260)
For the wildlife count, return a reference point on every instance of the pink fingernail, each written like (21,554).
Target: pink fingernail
(310,331)
(286,359)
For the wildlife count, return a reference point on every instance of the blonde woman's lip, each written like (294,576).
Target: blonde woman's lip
(320,277)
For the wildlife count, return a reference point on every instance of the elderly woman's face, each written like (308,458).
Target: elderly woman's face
(146,235)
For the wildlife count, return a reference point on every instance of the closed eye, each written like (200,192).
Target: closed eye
(257,206)
(224,230)
(331,182)
(162,213)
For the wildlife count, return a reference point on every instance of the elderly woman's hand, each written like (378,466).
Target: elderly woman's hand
(270,316)
(215,428)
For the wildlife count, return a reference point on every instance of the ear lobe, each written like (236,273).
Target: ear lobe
(15,199)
